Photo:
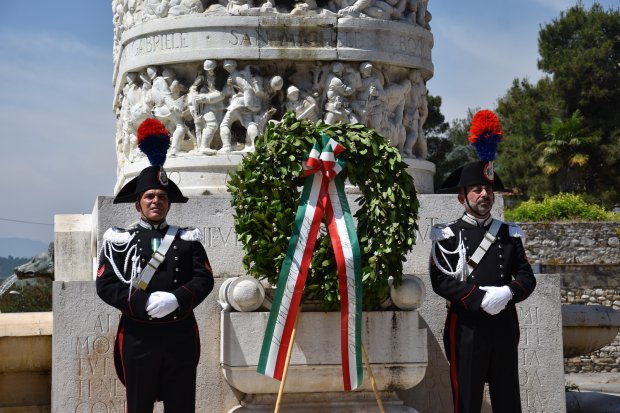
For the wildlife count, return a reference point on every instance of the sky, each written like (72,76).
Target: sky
(58,128)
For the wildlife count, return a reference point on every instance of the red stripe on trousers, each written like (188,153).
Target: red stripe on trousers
(454,377)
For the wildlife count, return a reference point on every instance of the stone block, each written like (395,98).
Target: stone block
(83,375)
(73,247)
(541,365)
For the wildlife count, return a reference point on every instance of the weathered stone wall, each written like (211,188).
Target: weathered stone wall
(587,256)
(573,242)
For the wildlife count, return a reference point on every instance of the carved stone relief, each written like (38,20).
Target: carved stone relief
(221,106)
(130,13)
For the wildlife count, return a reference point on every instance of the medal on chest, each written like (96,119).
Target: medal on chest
(155,243)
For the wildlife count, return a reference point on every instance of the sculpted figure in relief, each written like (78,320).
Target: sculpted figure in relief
(379,9)
(239,7)
(416,111)
(337,92)
(156,9)
(206,105)
(180,7)
(303,107)
(135,108)
(248,105)
(168,95)
(392,125)
(368,103)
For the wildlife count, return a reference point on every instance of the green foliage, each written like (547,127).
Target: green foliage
(27,296)
(435,124)
(523,111)
(265,196)
(567,152)
(581,49)
(559,207)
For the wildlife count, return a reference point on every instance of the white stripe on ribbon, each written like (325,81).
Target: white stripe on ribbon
(291,280)
(347,250)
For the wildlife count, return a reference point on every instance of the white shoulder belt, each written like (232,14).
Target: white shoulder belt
(142,281)
(489,238)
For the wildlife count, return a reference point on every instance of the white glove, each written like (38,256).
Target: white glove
(161,303)
(495,299)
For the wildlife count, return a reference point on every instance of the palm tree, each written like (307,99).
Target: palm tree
(566,152)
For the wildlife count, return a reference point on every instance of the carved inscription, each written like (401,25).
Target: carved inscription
(160,42)
(220,237)
(424,229)
(531,362)
(284,37)
(97,386)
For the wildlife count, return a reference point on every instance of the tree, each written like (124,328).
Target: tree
(566,153)
(435,124)
(523,111)
(580,51)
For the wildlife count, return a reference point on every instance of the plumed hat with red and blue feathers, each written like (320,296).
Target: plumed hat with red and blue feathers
(153,141)
(485,134)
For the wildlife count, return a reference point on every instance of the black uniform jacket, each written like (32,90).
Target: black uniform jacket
(505,263)
(185,272)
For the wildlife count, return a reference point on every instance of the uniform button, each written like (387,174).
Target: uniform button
(498,238)
(143,260)
(175,281)
(465,238)
(501,275)
(140,249)
(150,318)
(176,269)
(473,276)
(501,256)
(501,266)
(175,247)
(175,317)
(176,258)
(467,247)
(500,246)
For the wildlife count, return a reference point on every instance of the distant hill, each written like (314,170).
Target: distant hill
(8,264)
(21,247)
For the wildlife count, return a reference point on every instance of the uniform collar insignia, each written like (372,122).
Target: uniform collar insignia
(478,222)
(145,224)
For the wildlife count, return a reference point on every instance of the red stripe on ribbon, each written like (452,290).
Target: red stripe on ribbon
(299,285)
(344,294)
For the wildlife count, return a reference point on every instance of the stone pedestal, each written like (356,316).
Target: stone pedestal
(395,345)
(84,327)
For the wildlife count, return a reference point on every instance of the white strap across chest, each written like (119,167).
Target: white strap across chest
(143,280)
(489,238)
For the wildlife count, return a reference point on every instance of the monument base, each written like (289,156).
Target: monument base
(352,402)
(208,175)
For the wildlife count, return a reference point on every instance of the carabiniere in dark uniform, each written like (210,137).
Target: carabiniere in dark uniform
(155,274)
(478,264)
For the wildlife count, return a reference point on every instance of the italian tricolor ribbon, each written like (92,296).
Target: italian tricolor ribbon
(323,195)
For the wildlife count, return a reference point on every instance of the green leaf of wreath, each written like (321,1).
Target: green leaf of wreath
(265,195)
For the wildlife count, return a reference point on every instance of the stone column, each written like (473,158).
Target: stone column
(216,74)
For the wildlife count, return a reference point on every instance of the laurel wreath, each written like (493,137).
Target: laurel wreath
(265,195)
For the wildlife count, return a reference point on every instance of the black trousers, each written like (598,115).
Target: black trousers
(158,362)
(483,348)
